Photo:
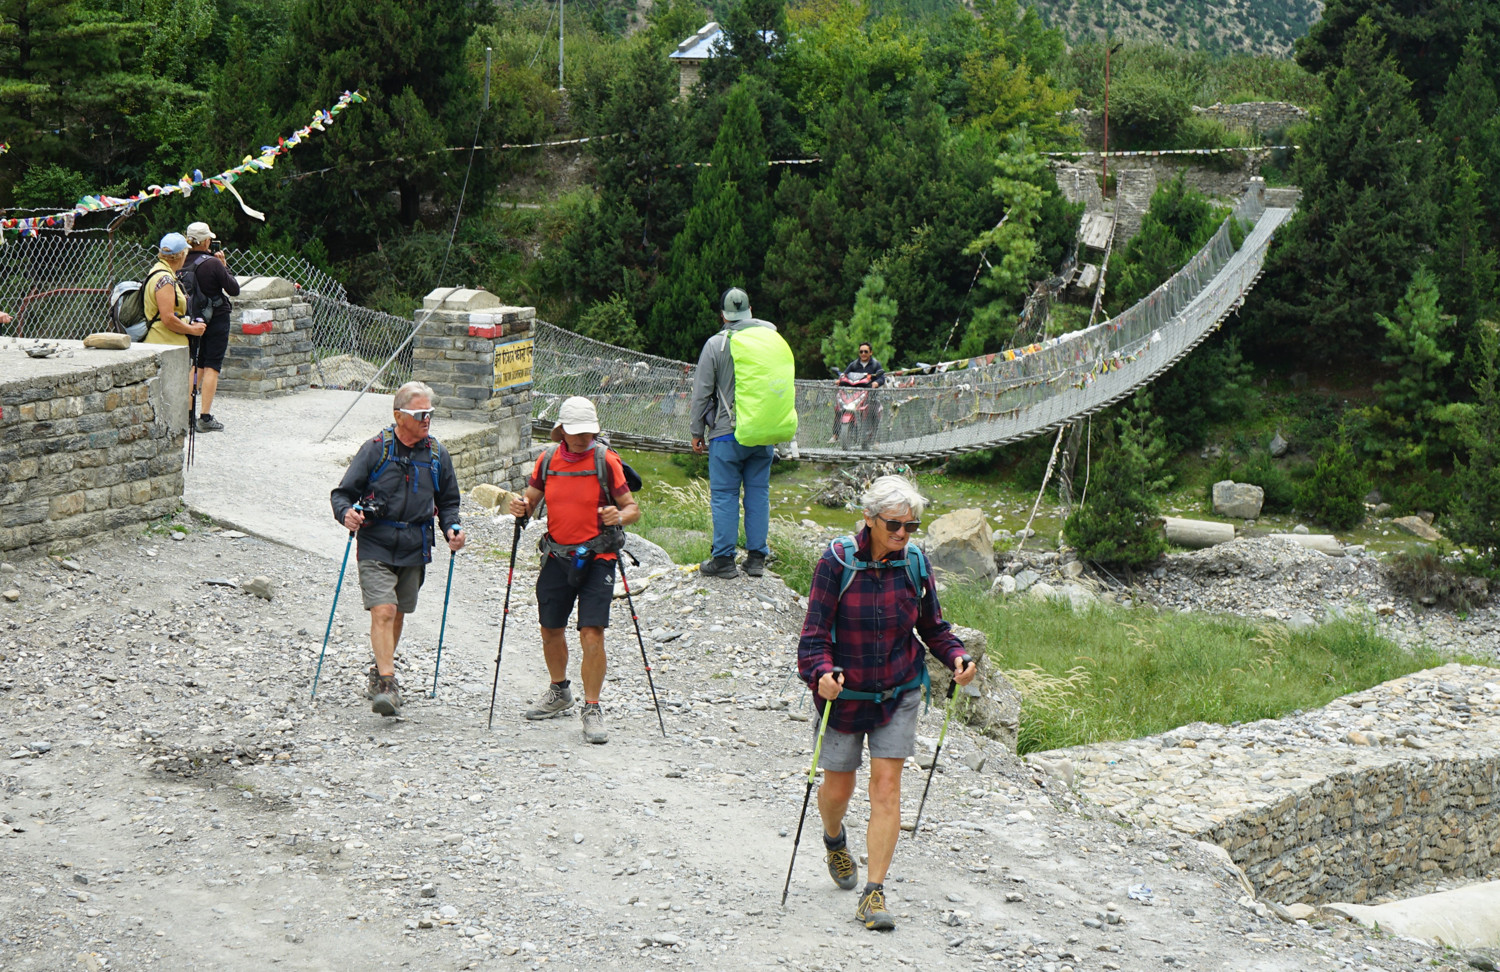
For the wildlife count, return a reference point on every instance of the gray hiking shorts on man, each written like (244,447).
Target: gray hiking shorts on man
(382,583)
(897,739)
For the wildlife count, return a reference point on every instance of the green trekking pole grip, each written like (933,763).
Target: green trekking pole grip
(812,773)
(963,662)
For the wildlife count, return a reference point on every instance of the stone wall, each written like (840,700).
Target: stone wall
(1254,117)
(456,355)
(270,340)
(1374,793)
(90,442)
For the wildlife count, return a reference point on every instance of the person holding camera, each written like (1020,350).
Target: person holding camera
(215,286)
(396,483)
(588,505)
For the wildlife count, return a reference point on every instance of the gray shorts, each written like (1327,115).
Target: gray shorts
(897,739)
(386,584)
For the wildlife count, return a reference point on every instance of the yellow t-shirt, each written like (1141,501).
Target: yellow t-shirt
(158,333)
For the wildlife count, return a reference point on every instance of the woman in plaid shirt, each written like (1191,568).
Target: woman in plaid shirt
(875,620)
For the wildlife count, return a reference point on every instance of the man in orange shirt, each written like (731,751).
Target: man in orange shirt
(585,527)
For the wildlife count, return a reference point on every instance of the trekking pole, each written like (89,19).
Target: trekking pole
(337,587)
(812,772)
(963,662)
(631,603)
(444,626)
(505,615)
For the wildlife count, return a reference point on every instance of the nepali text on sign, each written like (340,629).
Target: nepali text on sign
(513,364)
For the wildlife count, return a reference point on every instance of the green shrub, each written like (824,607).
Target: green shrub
(1425,577)
(1475,521)
(972,463)
(695,466)
(1119,524)
(1277,483)
(1334,494)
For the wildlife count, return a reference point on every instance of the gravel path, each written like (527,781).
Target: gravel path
(173,798)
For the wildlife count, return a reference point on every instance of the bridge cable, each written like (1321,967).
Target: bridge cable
(452,233)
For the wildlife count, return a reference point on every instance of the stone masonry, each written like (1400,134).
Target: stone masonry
(90,442)
(270,340)
(455,354)
(1374,793)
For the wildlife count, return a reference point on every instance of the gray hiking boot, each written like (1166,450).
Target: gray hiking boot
(841,865)
(755,563)
(372,683)
(593,724)
(558,698)
(387,700)
(719,567)
(872,911)
(207,423)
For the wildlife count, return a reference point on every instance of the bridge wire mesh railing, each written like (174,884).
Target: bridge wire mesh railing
(643,400)
(56,286)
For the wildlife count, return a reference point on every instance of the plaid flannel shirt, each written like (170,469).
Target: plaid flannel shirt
(878,619)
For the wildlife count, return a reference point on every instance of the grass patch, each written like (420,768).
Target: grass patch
(1113,673)
(677,519)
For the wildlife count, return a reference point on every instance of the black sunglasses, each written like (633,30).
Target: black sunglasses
(911,526)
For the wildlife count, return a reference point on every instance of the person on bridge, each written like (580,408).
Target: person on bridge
(864,607)
(742,418)
(400,480)
(865,364)
(216,285)
(589,504)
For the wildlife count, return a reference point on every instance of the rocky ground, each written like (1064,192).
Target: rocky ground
(174,798)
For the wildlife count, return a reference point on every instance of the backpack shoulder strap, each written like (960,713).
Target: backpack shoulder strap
(148,299)
(433,445)
(387,438)
(601,469)
(547,455)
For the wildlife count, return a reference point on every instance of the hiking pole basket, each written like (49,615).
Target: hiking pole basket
(812,772)
(631,604)
(505,616)
(963,662)
(442,628)
(337,587)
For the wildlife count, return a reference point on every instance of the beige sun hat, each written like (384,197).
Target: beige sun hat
(576,416)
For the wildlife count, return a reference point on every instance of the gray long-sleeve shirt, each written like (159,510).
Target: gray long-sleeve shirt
(712,405)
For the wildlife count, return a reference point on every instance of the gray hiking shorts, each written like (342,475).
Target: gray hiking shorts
(897,739)
(387,584)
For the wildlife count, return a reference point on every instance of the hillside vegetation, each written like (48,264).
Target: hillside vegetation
(1243,26)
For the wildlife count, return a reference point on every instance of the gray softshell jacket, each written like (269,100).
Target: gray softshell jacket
(712,407)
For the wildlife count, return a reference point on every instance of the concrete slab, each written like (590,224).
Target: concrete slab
(267,474)
(1463,918)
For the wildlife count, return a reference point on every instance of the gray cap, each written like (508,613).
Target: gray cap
(735,304)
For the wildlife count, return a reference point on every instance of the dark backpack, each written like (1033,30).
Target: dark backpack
(199,305)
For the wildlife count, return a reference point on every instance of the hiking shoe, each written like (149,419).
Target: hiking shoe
(593,724)
(387,701)
(558,698)
(872,911)
(755,564)
(719,567)
(207,423)
(841,866)
(372,684)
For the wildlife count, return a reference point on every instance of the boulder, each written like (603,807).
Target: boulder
(990,703)
(1241,501)
(653,558)
(492,497)
(960,543)
(1417,527)
(1278,446)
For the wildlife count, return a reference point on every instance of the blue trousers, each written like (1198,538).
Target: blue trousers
(730,466)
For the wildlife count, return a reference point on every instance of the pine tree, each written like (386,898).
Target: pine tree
(1120,523)
(874,314)
(1475,517)
(1366,209)
(1469,276)
(1334,494)
(723,239)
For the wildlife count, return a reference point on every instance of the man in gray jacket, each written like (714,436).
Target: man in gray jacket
(730,465)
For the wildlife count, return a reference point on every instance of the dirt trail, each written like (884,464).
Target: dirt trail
(174,799)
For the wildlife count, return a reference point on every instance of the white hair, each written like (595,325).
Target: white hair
(892,493)
(414,389)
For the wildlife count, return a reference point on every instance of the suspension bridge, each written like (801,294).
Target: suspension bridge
(974,404)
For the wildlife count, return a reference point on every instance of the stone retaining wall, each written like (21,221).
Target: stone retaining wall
(90,442)
(270,340)
(1376,792)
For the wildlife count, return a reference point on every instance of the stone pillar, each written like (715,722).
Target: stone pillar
(475,353)
(270,340)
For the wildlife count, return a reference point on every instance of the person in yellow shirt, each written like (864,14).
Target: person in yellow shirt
(165,300)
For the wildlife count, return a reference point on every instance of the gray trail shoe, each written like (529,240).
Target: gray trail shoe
(719,567)
(557,698)
(593,724)
(872,911)
(387,700)
(755,563)
(842,869)
(372,684)
(207,423)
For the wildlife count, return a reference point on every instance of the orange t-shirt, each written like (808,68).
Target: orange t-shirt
(573,501)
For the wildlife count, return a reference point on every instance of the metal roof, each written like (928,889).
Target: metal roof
(707,41)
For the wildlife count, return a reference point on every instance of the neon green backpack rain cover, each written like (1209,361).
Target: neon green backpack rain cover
(765,397)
